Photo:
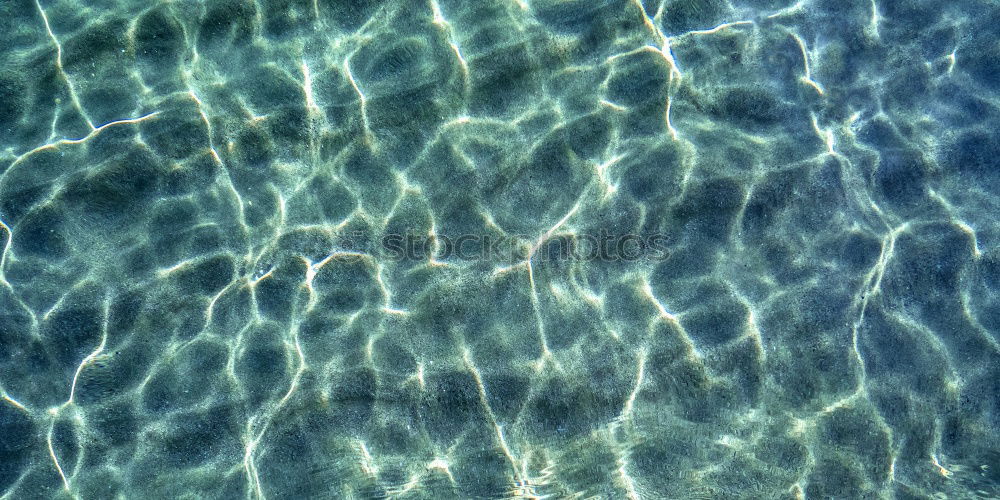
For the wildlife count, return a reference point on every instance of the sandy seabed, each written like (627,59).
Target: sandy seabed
(181,315)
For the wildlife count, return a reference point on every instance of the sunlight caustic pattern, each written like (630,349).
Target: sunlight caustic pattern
(195,297)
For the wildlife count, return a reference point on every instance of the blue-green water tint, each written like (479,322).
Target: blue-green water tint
(202,292)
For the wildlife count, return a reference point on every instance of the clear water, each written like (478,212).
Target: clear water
(499,249)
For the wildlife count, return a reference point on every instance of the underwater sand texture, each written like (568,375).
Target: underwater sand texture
(196,298)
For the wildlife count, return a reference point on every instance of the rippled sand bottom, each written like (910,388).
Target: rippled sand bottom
(196,298)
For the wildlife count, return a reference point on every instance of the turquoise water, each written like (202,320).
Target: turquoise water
(499,249)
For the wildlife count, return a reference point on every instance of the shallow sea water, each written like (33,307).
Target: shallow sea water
(499,249)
